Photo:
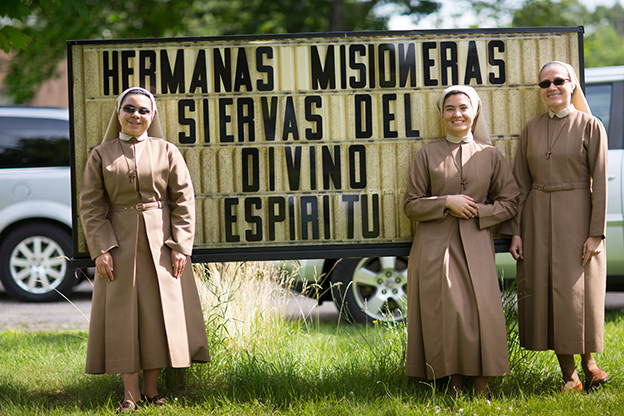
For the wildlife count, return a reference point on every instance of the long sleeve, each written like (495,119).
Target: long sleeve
(98,229)
(502,194)
(524,181)
(597,155)
(182,204)
(418,203)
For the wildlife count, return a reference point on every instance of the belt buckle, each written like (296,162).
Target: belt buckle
(140,207)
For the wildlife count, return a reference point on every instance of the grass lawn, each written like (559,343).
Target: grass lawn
(264,365)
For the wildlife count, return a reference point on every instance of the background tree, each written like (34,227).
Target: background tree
(604,27)
(52,22)
(11,36)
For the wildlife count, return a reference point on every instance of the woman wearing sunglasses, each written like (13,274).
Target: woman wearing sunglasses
(137,208)
(558,233)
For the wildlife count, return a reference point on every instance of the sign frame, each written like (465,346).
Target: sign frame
(325,250)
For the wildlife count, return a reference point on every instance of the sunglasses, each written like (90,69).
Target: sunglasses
(558,82)
(130,109)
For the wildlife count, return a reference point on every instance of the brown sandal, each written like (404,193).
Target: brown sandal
(157,400)
(127,406)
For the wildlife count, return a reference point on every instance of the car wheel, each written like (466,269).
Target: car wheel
(34,263)
(371,289)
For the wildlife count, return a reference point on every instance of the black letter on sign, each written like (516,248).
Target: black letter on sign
(354,51)
(182,105)
(428,63)
(291,217)
(407,65)
(230,220)
(313,118)
(199,74)
(366,233)
(222,70)
(206,121)
(326,217)
(253,219)
(269,115)
(371,65)
(271,169)
(500,45)
(311,217)
(473,69)
(408,118)
(363,132)
(110,73)
(251,182)
(224,119)
(242,72)
(331,167)
(172,81)
(388,117)
(387,80)
(353,174)
(147,68)
(272,216)
(350,200)
(127,70)
(261,68)
(312,167)
(449,62)
(323,77)
(293,166)
(246,118)
(290,121)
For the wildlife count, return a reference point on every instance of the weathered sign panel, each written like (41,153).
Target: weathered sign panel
(299,146)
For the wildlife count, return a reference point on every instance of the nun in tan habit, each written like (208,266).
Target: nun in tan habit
(458,188)
(137,208)
(558,233)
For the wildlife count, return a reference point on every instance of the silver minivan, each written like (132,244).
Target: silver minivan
(35,203)
(374,288)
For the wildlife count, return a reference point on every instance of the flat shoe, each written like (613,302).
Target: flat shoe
(157,400)
(568,388)
(127,406)
(597,377)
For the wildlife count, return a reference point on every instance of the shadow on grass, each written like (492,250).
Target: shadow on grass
(280,382)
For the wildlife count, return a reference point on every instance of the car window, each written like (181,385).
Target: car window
(33,142)
(599,100)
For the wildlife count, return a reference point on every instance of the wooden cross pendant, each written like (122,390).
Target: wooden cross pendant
(548,153)
(464,183)
(132,175)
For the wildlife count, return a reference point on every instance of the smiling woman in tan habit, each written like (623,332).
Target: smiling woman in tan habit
(137,207)
(561,170)
(458,188)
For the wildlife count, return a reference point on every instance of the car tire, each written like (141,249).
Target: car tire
(34,263)
(371,289)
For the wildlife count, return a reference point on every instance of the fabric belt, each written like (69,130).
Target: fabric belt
(555,187)
(141,206)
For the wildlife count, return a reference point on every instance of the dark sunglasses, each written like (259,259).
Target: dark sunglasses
(558,82)
(130,109)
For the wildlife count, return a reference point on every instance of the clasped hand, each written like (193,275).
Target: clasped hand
(462,206)
(104,265)
(592,247)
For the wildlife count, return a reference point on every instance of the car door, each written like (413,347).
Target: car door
(606,100)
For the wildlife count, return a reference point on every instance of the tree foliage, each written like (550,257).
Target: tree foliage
(11,36)
(49,23)
(604,27)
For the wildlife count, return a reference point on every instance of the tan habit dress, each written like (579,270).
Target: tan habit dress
(562,202)
(145,318)
(455,318)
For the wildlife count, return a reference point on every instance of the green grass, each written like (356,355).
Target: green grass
(264,364)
